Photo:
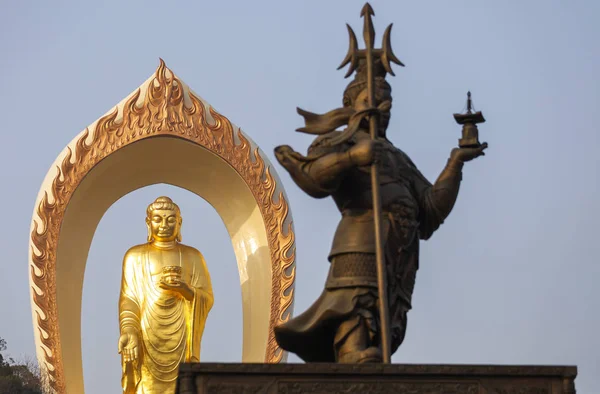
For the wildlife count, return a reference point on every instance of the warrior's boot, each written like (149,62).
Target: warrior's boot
(353,343)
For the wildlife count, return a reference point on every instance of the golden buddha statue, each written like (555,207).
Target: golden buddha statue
(166,295)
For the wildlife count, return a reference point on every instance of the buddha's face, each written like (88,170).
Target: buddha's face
(164,224)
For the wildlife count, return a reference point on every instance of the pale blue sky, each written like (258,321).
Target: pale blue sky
(510,278)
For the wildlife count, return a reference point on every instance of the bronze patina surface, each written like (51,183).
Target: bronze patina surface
(387,207)
(469,121)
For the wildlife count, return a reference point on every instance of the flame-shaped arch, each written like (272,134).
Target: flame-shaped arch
(162,107)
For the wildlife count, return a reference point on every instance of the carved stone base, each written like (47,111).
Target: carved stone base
(203,378)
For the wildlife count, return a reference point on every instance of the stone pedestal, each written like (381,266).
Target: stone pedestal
(204,378)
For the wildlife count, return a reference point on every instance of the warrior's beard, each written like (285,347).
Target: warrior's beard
(384,121)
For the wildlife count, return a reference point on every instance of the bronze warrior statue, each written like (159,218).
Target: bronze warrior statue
(343,324)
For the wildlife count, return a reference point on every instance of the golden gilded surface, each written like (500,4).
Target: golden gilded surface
(161,110)
(166,295)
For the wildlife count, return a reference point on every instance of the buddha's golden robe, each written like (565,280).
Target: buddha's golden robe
(168,326)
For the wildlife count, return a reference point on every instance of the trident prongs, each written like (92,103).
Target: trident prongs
(385,54)
(368,29)
(388,54)
(352,51)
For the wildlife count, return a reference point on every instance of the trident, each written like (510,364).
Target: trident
(386,56)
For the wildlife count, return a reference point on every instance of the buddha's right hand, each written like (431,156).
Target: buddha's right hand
(128,346)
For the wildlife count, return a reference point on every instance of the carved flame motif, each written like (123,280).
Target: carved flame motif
(161,112)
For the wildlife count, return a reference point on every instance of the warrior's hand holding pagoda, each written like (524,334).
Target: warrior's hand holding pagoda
(344,325)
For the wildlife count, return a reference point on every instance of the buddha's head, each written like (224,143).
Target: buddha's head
(163,219)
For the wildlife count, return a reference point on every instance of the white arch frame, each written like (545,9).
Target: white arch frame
(115,156)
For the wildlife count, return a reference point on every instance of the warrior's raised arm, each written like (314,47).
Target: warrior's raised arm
(386,206)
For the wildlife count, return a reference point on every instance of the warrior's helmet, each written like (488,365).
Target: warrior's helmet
(383,90)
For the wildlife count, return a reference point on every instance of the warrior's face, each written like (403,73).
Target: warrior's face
(361,102)
(356,96)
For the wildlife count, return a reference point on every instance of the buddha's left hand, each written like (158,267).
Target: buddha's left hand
(180,288)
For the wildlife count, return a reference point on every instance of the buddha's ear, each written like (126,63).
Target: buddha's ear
(178,237)
(150,238)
